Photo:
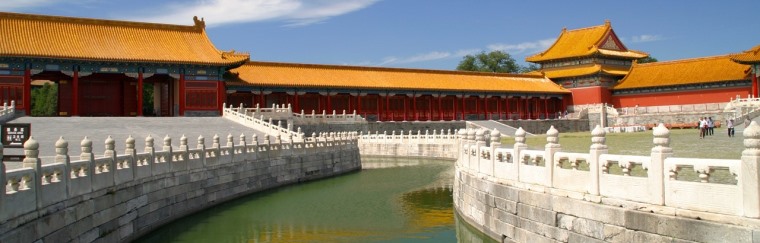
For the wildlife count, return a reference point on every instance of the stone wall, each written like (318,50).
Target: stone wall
(118,198)
(540,126)
(515,194)
(429,144)
(516,214)
(673,118)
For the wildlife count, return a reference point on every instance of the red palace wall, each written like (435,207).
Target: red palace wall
(679,98)
(590,95)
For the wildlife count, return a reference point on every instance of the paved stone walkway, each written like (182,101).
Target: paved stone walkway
(504,129)
(47,130)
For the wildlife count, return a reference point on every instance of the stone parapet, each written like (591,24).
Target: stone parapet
(512,193)
(430,144)
(118,197)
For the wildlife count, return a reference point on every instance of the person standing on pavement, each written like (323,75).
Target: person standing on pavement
(710,126)
(730,126)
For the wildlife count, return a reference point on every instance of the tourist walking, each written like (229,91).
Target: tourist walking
(702,127)
(730,126)
(710,126)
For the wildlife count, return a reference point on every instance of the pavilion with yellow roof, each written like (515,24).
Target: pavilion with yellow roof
(102,66)
(117,68)
(587,61)
(713,79)
(396,94)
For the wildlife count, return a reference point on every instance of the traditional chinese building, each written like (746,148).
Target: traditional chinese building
(102,66)
(714,79)
(396,94)
(587,61)
(750,57)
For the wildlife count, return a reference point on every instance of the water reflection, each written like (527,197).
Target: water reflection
(391,200)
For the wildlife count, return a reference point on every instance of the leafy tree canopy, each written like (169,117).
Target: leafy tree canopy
(647,59)
(494,62)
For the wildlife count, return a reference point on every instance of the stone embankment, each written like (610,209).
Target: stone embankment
(436,144)
(118,197)
(518,195)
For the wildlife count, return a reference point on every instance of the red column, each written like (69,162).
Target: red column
(440,108)
(387,106)
(519,108)
(754,84)
(358,103)
(296,104)
(329,107)
(498,107)
(546,108)
(182,94)
(414,108)
(75,93)
(485,108)
(28,91)
(139,93)
(464,107)
(221,96)
(405,111)
(506,110)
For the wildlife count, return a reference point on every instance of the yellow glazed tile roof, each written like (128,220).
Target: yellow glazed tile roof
(583,42)
(682,72)
(270,74)
(26,35)
(748,56)
(582,70)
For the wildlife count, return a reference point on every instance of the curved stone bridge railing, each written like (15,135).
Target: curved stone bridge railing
(511,192)
(436,144)
(118,197)
(7,112)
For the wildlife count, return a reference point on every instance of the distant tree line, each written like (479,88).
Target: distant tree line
(502,62)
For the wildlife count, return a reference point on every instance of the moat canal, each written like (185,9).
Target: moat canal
(390,200)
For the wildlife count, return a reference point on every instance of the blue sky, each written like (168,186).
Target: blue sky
(430,34)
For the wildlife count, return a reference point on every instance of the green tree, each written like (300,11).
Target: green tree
(494,61)
(45,100)
(529,68)
(647,59)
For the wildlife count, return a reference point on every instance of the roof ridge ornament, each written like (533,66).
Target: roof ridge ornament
(199,22)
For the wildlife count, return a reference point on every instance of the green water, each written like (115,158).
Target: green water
(391,200)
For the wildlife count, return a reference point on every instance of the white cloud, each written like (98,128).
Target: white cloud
(645,38)
(9,5)
(532,46)
(221,12)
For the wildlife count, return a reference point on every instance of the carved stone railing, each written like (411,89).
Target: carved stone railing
(431,144)
(240,115)
(743,108)
(285,112)
(8,112)
(655,179)
(38,186)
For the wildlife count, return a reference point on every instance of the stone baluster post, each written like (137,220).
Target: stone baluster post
(518,147)
(267,142)
(480,147)
(129,149)
(31,160)
(230,140)
(13,106)
(656,172)
(750,171)
(552,146)
(110,151)
(242,144)
(183,148)
(495,144)
(215,144)
(202,146)
(61,156)
(597,148)
(149,149)
(87,155)
(168,148)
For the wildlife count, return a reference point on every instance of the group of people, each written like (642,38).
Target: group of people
(707,127)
